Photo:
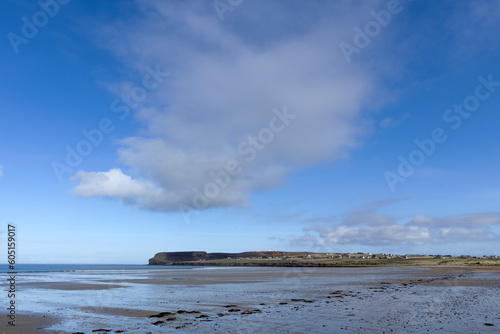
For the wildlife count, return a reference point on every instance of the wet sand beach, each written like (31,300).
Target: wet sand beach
(262,300)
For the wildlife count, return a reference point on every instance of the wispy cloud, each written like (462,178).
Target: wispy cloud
(289,216)
(390,122)
(1,170)
(368,227)
(482,20)
(229,235)
(320,219)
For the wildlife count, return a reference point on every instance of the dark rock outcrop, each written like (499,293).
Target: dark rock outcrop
(170,258)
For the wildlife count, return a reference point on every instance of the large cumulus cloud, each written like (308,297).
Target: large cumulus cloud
(226,88)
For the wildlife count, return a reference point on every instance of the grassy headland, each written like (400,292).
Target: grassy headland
(307,259)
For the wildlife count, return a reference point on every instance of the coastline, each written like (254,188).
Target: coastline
(326,264)
(308,259)
(431,263)
(270,299)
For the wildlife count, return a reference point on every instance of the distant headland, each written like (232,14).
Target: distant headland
(310,259)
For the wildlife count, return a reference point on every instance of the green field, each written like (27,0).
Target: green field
(346,262)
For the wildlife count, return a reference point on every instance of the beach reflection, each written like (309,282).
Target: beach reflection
(266,300)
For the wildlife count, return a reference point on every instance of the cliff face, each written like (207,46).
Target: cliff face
(165,258)
(168,258)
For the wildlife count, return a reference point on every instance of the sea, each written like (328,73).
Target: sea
(38,268)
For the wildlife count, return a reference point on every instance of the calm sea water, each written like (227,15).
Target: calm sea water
(34,268)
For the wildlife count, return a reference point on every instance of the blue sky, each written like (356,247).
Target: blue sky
(134,127)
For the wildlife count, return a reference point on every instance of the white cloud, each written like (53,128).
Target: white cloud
(367,227)
(390,234)
(223,88)
(1,170)
(115,184)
